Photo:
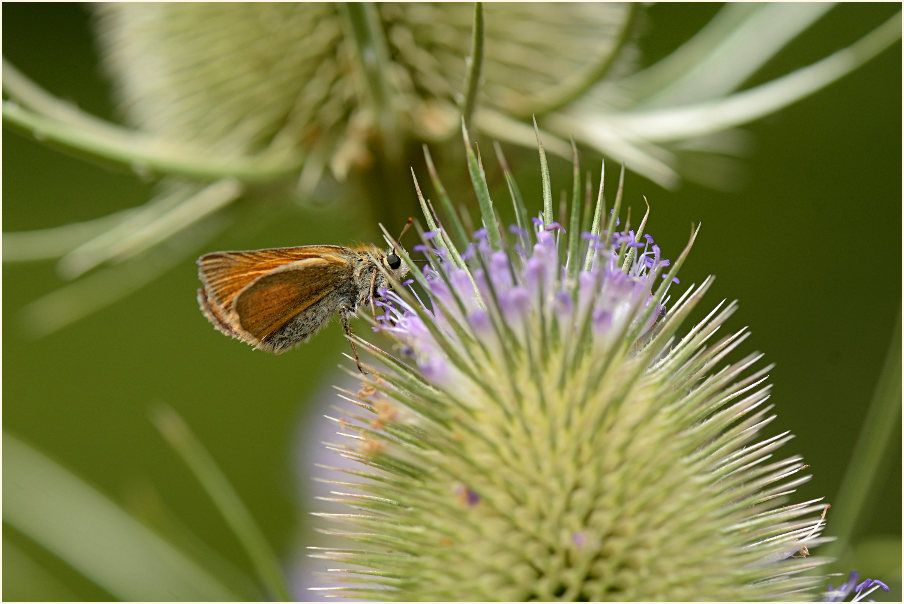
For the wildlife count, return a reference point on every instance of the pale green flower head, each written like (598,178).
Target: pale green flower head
(337,87)
(545,427)
(334,84)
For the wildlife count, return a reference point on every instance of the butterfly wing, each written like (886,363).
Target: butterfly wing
(225,274)
(249,295)
(276,298)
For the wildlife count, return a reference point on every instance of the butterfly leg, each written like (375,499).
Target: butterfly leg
(348,332)
(373,282)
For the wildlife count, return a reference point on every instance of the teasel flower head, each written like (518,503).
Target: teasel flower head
(337,87)
(544,426)
(331,85)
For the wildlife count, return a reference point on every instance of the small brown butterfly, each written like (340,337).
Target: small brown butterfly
(275,299)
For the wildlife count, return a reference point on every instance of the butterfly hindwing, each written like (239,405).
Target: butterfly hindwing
(275,298)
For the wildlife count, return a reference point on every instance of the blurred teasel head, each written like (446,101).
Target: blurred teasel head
(335,87)
(544,426)
(330,85)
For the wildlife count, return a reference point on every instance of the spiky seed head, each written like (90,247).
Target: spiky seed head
(545,428)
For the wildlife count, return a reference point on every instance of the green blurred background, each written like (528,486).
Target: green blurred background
(810,244)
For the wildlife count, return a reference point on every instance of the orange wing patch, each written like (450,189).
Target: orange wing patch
(225,274)
(274,299)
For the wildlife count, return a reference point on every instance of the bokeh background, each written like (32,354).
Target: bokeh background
(809,243)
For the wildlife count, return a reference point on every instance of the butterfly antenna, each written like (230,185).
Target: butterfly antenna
(404,229)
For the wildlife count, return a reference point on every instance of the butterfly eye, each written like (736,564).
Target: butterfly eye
(393,261)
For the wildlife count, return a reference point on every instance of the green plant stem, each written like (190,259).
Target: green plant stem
(373,54)
(475,66)
(202,464)
(874,445)
(367,34)
(95,536)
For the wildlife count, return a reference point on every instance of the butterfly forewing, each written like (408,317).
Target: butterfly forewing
(225,274)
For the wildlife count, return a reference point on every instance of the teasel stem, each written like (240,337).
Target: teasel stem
(475,65)
(202,464)
(873,450)
(367,32)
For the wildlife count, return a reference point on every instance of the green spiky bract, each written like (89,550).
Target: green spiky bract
(544,428)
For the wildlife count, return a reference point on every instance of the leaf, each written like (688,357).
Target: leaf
(94,535)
